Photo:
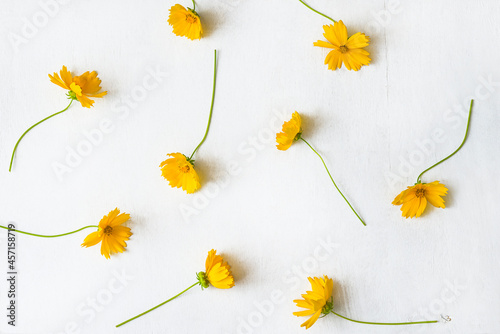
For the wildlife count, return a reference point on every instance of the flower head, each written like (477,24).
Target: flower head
(290,132)
(110,233)
(217,272)
(185,22)
(316,302)
(81,87)
(345,50)
(415,198)
(179,172)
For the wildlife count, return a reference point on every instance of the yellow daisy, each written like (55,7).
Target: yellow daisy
(179,172)
(316,302)
(110,233)
(217,272)
(81,88)
(348,51)
(414,199)
(185,22)
(290,132)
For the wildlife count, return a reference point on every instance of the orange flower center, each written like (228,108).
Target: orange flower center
(185,169)
(420,193)
(108,230)
(343,49)
(191,19)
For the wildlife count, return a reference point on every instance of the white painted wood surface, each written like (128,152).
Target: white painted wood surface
(266,211)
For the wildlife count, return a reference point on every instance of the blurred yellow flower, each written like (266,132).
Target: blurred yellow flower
(316,302)
(348,51)
(185,22)
(217,272)
(81,88)
(414,199)
(110,233)
(290,132)
(179,172)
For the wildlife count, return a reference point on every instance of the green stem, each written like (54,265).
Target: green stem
(43,120)
(314,10)
(333,180)
(211,106)
(386,323)
(48,236)
(458,149)
(194,5)
(151,309)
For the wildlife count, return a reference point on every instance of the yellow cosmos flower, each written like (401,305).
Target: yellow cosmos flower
(414,199)
(319,302)
(316,302)
(81,88)
(290,132)
(346,50)
(185,22)
(110,233)
(217,272)
(179,172)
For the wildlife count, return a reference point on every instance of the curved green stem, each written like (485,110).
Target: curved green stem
(314,10)
(458,149)
(323,161)
(47,236)
(386,323)
(43,120)
(194,5)
(211,106)
(151,309)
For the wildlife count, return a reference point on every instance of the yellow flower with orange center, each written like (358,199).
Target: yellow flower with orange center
(180,173)
(111,234)
(185,22)
(179,169)
(217,273)
(81,88)
(346,50)
(414,199)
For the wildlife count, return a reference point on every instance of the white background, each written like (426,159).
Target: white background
(376,129)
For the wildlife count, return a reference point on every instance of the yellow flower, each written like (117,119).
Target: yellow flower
(110,233)
(81,87)
(185,22)
(179,172)
(345,50)
(316,302)
(217,272)
(415,198)
(290,132)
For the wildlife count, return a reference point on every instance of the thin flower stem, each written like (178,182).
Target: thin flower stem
(386,323)
(151,309)
(47,236)
(43,120)
(211,106)
(324,164)
(194,5)
(314,10)
(458,149)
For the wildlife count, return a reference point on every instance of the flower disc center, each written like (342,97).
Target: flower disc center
(108,230)
(420,193)
(343,49)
